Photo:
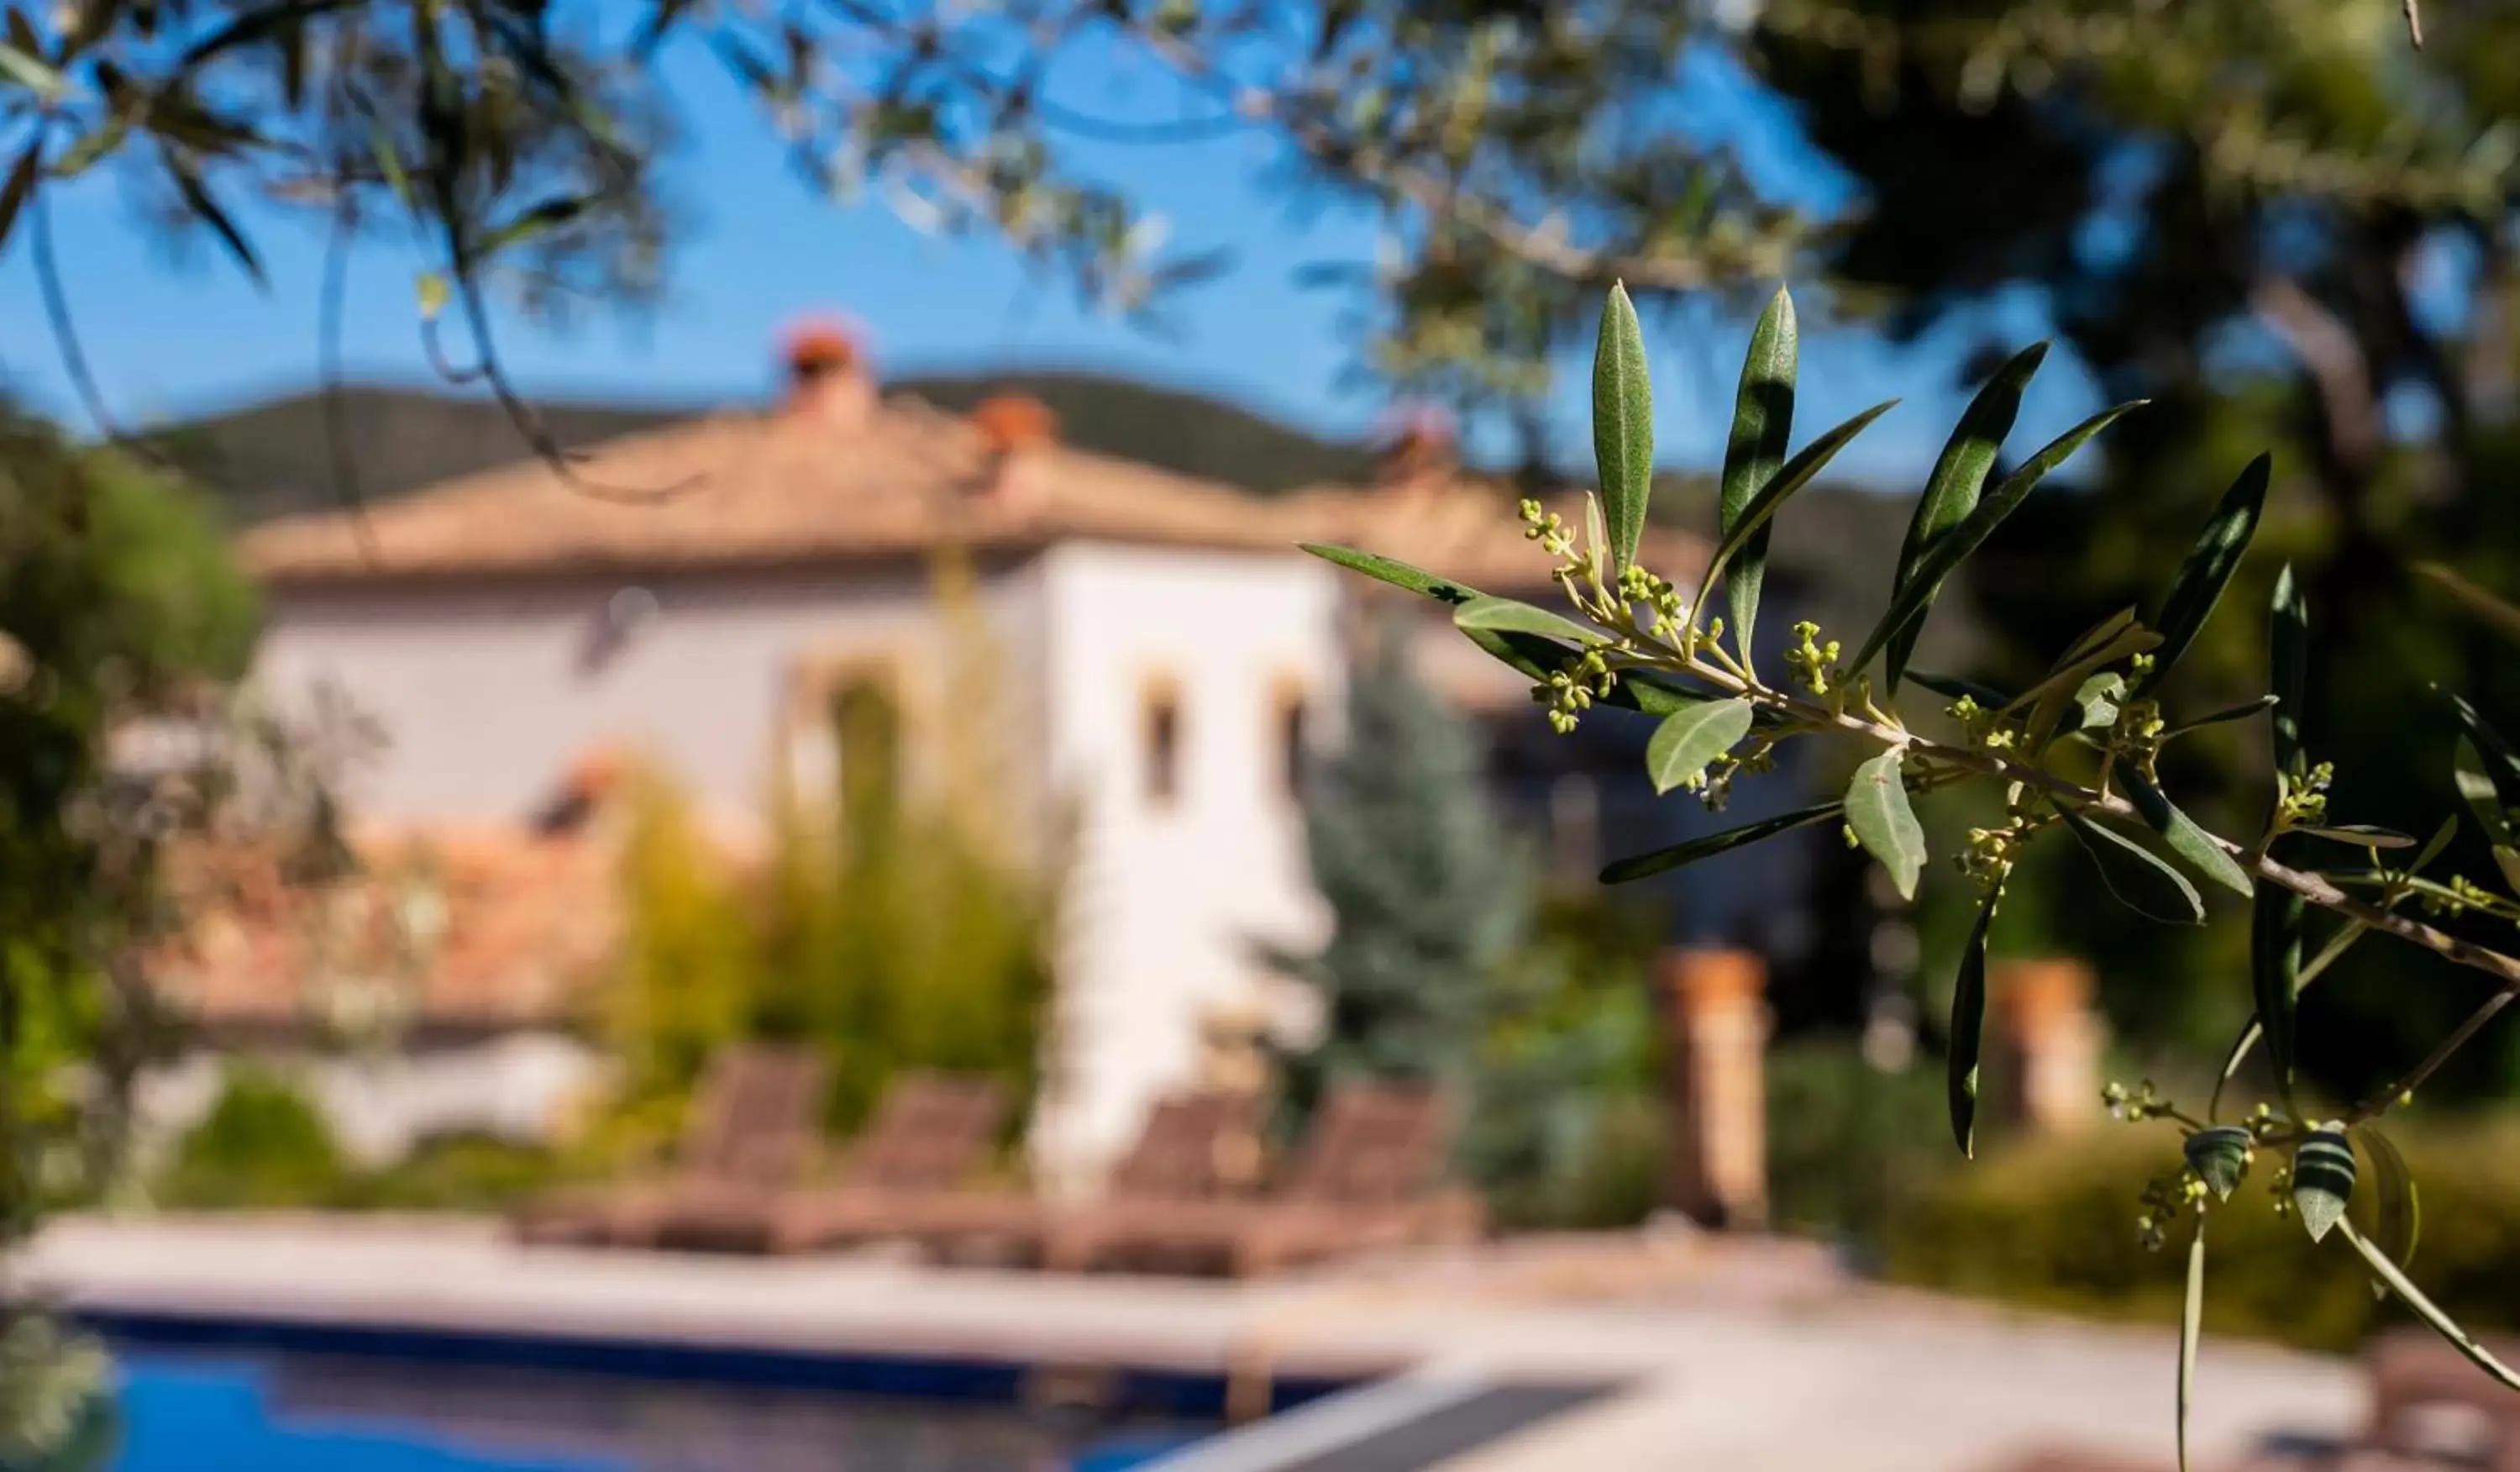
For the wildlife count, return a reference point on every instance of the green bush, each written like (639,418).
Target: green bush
(1850,1144)
(462,1173)
(263,1144)
(2054,1225)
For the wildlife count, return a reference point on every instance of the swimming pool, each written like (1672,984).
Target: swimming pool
(260,1410)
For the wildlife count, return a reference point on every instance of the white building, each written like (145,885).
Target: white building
(710,593)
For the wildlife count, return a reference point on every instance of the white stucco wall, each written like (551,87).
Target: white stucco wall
(1167,901)
(485,700)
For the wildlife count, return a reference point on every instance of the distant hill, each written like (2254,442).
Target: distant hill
(275,458)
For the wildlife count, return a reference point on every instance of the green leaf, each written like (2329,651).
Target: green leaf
(380,142)
(2361,835)
(2467,773)
(30,72)
(196,197)
(2098,700)
(2507,859)
(2091,639)
(1622,423)
(2142,882)
(1510,616)
(1796,473)
(2492,611)
(1953,689)
(548,215)
(1967,1030)
(1399,574)
(1763,422)
(2275,974)
(1876,809)
(1951,491)
(2398,1210)
(2235,713)
(1681,856)
(2434,844)
(2191,1327)
(1688,739)
(2203,851)
(19,188)
(2322,1179)
(1653,694)
(1910,599)
(2288,668)
(92,148)
(2426,1310)
(2219,1157)
(2209,567)
(2051,696)
(2492,756)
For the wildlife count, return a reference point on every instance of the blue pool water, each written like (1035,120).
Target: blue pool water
(265,1412)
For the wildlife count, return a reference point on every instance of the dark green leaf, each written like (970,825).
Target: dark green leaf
(22,33)
(2288,668)
(2477,786)
(2219,1157)
(196,197)
(1968,1025)
(1395,573)
(1763,422)
(2275,974)
(2426,1310)
(1655,694)
(259,24)
(1689,738)
(2235,713)
(19,188)
(2209,567)
(92,147)
(2398,1210)
(1796,473)
(1877,809)
(2507,859)
(2361,835)
(2191,1328)
(2434,844)
(2093,638)
(2322,1179)
(2141,881)
(2495,758)
(1622,424)
(550,214)
(2203,851)
(1680,855)
(1952,687)
(1951,491)
(2492,611)
(1510,616)
(1910,598)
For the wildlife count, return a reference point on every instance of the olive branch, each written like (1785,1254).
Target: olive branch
(2076,750)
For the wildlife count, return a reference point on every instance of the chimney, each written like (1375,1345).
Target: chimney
(1419,455)
(831,384)
(1015,430)
(2046,1045)
(1715,1050)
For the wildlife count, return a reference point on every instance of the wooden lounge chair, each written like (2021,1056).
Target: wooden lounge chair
(2412,1370)
(927,1137)
(752,1128)
(1372,1176)
(1195,1147)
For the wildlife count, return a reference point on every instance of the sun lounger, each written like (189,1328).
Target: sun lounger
(927,1137)
(2410,1370)
(754,1123)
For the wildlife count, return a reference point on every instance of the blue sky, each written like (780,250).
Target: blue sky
(173,337)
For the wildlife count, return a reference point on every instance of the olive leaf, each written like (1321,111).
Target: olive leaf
(21,186)
(2323,1180)
(2426,1310)
(1763,422)
(2219,1156)
(1952,687)
(1951,491)
(2191,1328)
(2275,974)
(2235,713)
(1968,1029)
(29,71)
(2203,851)
(1877,809)
(1513,617)
(1394,571)
(2468,775)
(2139,878)
(1622,423)
(2097,701)
(2361,835)
(2489,609)
(1910,599)
(2488,755)
(2397,1212)
(2288,668)
(1689,738)
(1681,856)
(2209,567)
(1796,473)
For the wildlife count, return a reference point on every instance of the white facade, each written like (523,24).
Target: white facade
(485,696)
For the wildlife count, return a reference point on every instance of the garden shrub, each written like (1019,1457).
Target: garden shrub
(1848,1143)
(262,1145)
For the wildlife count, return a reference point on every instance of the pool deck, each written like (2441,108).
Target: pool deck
(1731,1353)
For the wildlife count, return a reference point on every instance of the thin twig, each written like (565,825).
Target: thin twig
(336,428)
(57,314)
(2399,1092)
(2415,24)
